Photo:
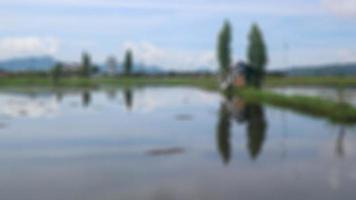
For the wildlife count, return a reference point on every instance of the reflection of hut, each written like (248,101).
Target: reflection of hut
(237,109)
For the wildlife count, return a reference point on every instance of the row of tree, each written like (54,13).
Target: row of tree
(256,53)
(87,68)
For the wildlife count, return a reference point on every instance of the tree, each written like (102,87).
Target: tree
(86,65)
(257,55)
(112,65)
(224,49)
(128,62)
(57,72)
(256,129)
(223,133)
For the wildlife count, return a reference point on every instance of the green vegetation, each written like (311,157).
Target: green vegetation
(57,72)
(128,62)
(224,49)
(112,65)
(86,65)
(257,55)
(208,82)
(315,106)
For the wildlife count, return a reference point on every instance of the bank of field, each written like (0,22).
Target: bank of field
(336,112)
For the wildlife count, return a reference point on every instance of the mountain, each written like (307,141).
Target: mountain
(41,63)
(348,69)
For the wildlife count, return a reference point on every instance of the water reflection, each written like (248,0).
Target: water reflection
(129,98)
(252,115)
(256,129)
(340,151)
(223,133)
(86,98)
(111,93)
(59,96)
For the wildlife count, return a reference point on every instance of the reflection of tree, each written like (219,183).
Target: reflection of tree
(256,129)
(340,151)
(59,96)
(86,98)
(128,95)
(242,112)
(223,134)
(111,92)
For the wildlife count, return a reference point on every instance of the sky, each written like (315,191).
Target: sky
(178,34)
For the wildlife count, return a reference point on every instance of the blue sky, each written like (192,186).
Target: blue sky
(178,34)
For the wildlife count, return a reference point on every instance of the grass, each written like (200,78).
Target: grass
(42,81)
(204,81)
(336,112)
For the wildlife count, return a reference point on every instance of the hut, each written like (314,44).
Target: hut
(241,74)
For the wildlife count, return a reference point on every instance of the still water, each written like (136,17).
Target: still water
(167,143)
(343,95)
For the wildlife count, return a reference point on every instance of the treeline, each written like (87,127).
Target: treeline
(87,68)
(256,55)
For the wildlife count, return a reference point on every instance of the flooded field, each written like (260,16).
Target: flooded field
(347,95)
(165,143)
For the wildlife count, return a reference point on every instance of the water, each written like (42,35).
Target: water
(347,95)
(167,143)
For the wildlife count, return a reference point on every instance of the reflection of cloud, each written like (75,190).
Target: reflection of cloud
(171,98)
(25,107)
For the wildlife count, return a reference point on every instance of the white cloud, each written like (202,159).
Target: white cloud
(346,55)
(341,7)
(27,46)
(151,54)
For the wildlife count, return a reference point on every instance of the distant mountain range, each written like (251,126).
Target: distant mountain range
(348,69)
(42,63)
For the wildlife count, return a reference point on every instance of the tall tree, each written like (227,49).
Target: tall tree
(128,62)
(112,65)
(257,55)
(224,49)
(57,72)
(86,65)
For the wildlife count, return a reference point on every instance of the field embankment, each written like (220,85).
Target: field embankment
(336,112)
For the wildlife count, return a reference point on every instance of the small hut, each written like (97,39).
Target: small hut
(241,74)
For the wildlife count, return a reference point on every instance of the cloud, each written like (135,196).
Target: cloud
(151,54)
(27,46)
(341,7)
(346,55)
